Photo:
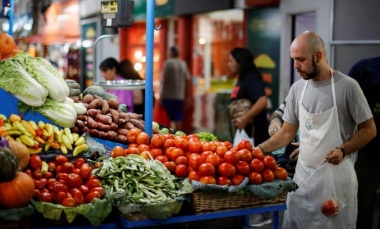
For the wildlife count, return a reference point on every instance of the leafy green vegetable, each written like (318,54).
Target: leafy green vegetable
(17,81)
(207,137)
(62,114)
(42,71)
(135,180)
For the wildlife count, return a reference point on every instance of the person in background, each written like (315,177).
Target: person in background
(367,166)
(174,88)
(286,157)
(249,86)
(127,71)
(255,122)
(327,107)
(110,69)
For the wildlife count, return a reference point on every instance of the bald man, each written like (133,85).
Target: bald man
(335,121)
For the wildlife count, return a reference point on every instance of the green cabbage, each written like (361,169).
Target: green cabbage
(42,71)
(62,114)
(17,81)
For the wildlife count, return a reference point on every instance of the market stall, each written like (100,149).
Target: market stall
(84,157)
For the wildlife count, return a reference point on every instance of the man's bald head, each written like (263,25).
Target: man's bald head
(311,42)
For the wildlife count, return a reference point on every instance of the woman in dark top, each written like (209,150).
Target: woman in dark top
(249,86)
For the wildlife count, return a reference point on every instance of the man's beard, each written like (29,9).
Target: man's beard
(314,72)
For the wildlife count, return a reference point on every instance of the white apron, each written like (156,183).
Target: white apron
(319,133)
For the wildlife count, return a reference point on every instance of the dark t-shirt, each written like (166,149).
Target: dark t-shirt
(367,73)
(252,87)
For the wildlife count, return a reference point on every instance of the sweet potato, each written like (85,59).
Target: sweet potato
(79,123)
(122,138)
(114,114)
(113,103)
(114,126)
(87,98)
(82,117)
(111,135)
(91,123)
(93,112)
(95,104)
(105,119)
(103,127)
(122,131)
(137,123)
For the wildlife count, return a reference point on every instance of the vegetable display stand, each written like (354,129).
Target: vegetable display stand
(244,212)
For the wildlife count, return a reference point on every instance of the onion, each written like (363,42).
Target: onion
(4,142)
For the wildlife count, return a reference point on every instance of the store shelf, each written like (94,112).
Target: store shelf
(210,215)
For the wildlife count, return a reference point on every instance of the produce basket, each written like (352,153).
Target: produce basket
(23,223)
(206,202)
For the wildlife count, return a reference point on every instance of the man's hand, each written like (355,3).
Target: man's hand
(335,156)
(274,126)
(294,154)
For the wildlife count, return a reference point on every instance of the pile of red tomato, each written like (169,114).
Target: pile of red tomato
(215,162)
(63,182)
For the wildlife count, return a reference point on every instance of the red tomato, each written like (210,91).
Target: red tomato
(142,138)
(182,160)
(206,169)
(59,187)
(269,162)
(101,191)
(214,159)
(267,175)
(181,143)
(242,168)
(37,194)
(231,157)
(74,181)
(59,197)
(245,155)
(226,170)
(92,183)
(181,171)
(76,170)
(69,202)
(195,161)
(28,171)
(195,146)
(169,143)
(62,176)
(117,151)
(170,165)
(51,166)
(237,179)
(48,175)
(245,144)
(35,162)
(193,137)
(255,178)
(46,197)
(156,152)
(227,144)
(257,165)
(209,146)
(143,147)
(59,169)
(84,189)
(37,174)
(330,208)
(205,154)
(79,162)
(280,173)
(77,195)
(60,159)
(175,153)
(132,150)
(132,135)
(162,158)
(223,181)
(208,180)
(257,153)
(145,154)
(221,150)
(91,195)
(67,167)
(132,145)
(40,184)
(157,141)
(85,171)
(194,175)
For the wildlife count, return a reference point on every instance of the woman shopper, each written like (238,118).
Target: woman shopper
(110,69)
(249,87)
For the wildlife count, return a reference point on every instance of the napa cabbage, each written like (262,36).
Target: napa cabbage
(62,114)
(42,71)
(17,81)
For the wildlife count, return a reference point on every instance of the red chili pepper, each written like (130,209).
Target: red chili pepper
(1,122)
(39,132)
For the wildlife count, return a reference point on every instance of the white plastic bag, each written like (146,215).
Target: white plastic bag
(242,135)
(324,188)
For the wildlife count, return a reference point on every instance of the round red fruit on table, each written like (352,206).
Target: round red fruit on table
(280,173)
(245,144)
(269,162)
(206,169)
(255,178)
(223,181)
(181,171)
(208,180)
(267,175)
(226,170)
(257,165)
(242,168)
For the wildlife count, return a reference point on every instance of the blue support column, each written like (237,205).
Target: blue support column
(150,25)
(11,17)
